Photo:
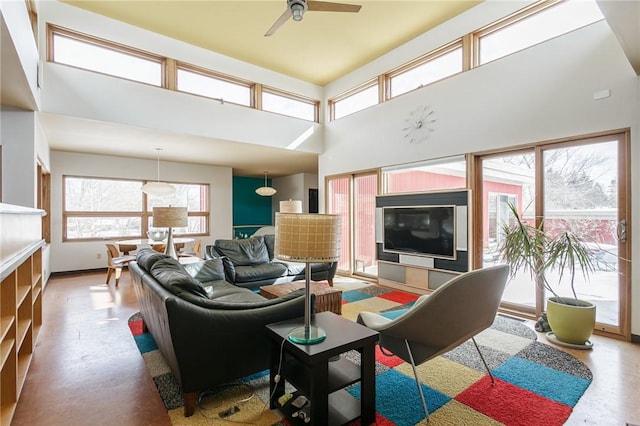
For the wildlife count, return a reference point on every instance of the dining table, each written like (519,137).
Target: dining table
(147,242)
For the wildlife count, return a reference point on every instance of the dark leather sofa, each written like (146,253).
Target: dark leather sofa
(250,263)
(209,331)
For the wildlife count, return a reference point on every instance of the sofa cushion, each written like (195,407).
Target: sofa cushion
(246,274)
(296,268)
(172,276)
(206,270)
(244,301)
(147,257)
(270,242)
(250,251)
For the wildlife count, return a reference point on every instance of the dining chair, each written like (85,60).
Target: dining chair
(437,323)
(115,262)
(195,250)
(159,247)
(127,248)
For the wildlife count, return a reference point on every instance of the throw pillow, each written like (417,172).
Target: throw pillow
(270,242)
(147,257)
(172,276)
(250,251)
(206,270)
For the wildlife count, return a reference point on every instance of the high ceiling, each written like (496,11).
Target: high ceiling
(319,49)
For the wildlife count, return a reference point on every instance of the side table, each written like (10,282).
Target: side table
(308,369)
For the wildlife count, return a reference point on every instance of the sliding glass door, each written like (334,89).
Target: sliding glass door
(353,197)
(581,192)
(580,184)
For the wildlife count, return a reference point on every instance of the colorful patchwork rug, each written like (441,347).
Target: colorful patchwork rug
(536,384)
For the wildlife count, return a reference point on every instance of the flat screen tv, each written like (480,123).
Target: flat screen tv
(420,230)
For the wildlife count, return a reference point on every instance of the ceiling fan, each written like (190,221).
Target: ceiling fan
(297,8)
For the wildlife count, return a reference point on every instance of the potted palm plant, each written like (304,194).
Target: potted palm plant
(529,248)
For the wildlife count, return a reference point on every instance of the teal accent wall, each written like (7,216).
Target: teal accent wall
(249,208)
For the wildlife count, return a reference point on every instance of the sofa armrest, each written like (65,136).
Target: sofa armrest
(214,346)
(229,269)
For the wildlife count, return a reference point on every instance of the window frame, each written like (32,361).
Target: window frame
(284,94)
(470,44)
(507,21)
(143,214)
(205,72)
(422,60)
(352,92)
(53,30)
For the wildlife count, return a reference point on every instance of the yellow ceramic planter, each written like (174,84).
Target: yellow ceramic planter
(571,320)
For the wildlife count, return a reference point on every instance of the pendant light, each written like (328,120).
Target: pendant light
(157,188)
(265,191)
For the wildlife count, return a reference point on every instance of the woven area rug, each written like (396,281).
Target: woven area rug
(536,384)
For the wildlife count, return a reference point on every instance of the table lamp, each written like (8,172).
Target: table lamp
(291,206)
(170,217)
(307,238)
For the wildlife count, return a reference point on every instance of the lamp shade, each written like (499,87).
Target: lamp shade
(291,206)
(302,237)
(266,191)
(158,189)
(169,217)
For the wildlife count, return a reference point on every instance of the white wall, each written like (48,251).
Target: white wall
(16,18)
(294,187)
(73,256)
(539,94)
(80,93)
(19,185)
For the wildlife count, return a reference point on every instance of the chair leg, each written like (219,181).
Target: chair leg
(109,272)
(483,361)
(415,374)
(118,273)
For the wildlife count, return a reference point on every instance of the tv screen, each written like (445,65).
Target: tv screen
(420,230)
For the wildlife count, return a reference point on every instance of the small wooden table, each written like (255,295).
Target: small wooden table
(310,369)
(327,298)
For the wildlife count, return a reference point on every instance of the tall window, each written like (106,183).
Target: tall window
(101,208)
(508,179)
(365,190)
(339,202)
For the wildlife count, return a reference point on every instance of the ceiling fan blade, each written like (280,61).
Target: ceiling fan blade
(325,6)
(281,20)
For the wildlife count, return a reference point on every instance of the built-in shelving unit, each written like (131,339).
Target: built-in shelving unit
(20,301)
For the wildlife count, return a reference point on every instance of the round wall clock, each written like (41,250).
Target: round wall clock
(419,125)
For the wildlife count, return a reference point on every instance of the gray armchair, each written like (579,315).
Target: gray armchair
(443,320)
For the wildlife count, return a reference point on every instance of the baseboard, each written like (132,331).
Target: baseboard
(635,338)
(79,272)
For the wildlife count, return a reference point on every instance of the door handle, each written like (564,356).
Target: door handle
(622,231)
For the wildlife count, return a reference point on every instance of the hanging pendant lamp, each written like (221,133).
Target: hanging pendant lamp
(157,188)
(266,191)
